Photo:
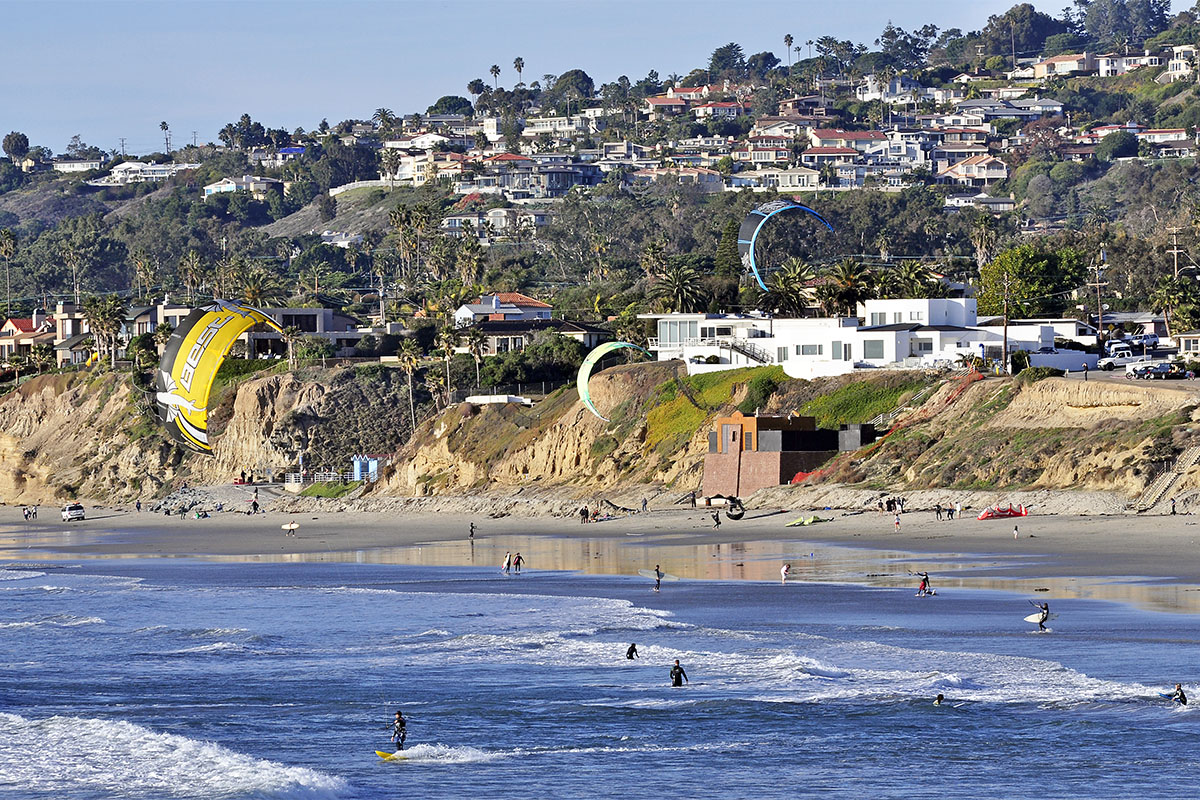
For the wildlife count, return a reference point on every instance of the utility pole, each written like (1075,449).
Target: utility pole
(122,146)
(1101,263)
(1012,31)
(1175,251)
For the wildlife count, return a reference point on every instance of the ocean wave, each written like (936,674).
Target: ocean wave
(19,574)
(62,755)
(53,621)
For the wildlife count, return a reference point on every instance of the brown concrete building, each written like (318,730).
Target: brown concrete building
(748,453)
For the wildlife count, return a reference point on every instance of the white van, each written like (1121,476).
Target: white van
(72,512)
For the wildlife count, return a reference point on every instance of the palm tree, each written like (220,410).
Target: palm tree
(852,283)
(8,249)
(104,315)
(678,285)
(495,71)
(435,384)
(42,357)
(409,357)
(477,342)
(166,129)
(519,66)
(259,287)
(146,269)
(291,335)
(162,333)
(384,118)
(790,290)
(389,159)
(787,45)
(448,339)
(810,44)
(191,269)
(1169,294)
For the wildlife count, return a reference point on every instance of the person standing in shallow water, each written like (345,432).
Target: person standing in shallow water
(678,676)
(632,652)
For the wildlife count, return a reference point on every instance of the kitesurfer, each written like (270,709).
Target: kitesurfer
(399,729)
(1178,696)
(1045,615)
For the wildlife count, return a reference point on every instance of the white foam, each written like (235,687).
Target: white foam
(66,754)
(53,621)
(19,574)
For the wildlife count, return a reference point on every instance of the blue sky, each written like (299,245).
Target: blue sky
(109,68)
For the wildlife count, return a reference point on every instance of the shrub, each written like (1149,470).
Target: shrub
(759,393)
(1035,374)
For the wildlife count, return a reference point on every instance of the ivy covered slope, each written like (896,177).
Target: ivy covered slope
(1015,434)
(657,433)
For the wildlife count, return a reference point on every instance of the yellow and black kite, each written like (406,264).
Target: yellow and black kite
(189,364)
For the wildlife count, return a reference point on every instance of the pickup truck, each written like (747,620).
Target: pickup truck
(1112,362)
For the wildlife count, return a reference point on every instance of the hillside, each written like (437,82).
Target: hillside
(82,435)
(358,210)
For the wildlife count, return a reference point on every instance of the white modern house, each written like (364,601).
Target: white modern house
(908,333)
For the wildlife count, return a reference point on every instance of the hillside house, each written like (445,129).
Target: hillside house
(1072,64)
(257,187)
(19,336)
(662,107)
(816,157)
(70,165)
(340,330)
(138,172)
(503,336)
(1112,64)
(725,110)
(860,141)
(708,180)
(900,89)
(501,306)
(794,179)
(1180,66)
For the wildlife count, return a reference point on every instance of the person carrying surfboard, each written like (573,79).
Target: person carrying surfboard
(658,576)
(1045,615)
(678,676)
(1178,696)
(399,729)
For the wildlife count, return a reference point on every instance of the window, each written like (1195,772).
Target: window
(304,322)
(781,354)
(835,351)
(809,349)
(872,348)
(916,315)
(878,318)
(897,316)
(748,440)
(923,346)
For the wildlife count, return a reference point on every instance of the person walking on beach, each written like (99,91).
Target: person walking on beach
(658,576)
(716,520)
(1172,508)
(897,522)
(1178,696)
(1016,532)
(583,515)
(506,564)
(399,729)
(958,509)
(678,676)
(645,505)
(1085,371)
(35,508)
(138,506)
(783,572)
(632,652)
(517,561)
(937,510)
(471,535)
(693,499)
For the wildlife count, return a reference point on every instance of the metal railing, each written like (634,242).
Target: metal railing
(744,346)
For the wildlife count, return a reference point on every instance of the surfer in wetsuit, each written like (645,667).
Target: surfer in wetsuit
(399,729)
(632,652)
(658,576)
(517,561)
(1178,696)
(1045,615)
(937,701)
(923,589)
(678,676)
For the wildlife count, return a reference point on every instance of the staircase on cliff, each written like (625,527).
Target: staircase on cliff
(1163,483)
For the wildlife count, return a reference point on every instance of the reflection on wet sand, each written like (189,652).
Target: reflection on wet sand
(750,561)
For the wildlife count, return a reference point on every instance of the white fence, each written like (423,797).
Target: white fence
(345,187)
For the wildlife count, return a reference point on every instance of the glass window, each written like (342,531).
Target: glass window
(873,348)
(835,351)
(781,354)
(810,349)
(878,318)
(897,316)
(693,329)
(916,315)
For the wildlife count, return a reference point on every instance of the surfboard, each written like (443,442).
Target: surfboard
(390,756)
(1035,616)
(290,526)
(649,573)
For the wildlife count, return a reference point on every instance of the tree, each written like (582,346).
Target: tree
(495,72)
(105,315)
(1022,28)
(477,342)
(447,339)
(728,260)
(166,129)
(42,357)
(790,288)
(451,104)
(409,357)
(787,46)
(1121,144)
(851,283)
(576,83)
(16,145)
(728,61)
(519,66)
(191,271)
(678,286)
(476,87)
(1172,293)
(8,250)
(384,118)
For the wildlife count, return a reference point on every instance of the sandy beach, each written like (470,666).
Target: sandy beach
(1139,558)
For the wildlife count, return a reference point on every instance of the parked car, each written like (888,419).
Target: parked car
(1161,372)
(1149,340)
(1046,350)
(1114,361)
(72,512)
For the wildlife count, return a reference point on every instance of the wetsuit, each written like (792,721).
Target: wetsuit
(1179,697)
(1045,616)
(632,652)
(399,729)
(678,676)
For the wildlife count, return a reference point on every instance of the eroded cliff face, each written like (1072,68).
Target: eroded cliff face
(68,436)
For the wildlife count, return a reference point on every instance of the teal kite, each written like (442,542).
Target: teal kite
(585,371)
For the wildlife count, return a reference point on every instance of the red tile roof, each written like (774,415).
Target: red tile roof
(665,101)
(830,151)
(517,299)
(23,325)
(507,157)
(838,133)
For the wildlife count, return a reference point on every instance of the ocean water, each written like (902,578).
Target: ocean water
(186,679)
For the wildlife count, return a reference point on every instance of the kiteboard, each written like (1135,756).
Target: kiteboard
(649,573)
(390,756)
(1037,615)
